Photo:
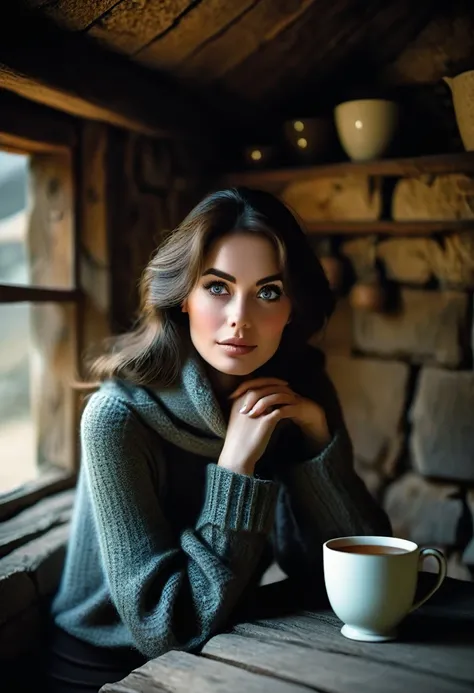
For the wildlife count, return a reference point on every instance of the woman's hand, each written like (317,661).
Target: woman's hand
(248,436)
(263,395)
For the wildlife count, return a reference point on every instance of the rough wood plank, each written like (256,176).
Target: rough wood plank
(41,558)
(195,28)
(75,15)
(33,491)
(262,24)
(180,672)
(329,671)
(437,647)
(127,28)
(92,83)
(35,521)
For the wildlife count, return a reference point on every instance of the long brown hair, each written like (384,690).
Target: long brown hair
(152,352)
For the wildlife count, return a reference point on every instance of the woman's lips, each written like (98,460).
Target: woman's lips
(237,349)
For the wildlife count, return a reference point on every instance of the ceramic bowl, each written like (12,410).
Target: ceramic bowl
(366,127)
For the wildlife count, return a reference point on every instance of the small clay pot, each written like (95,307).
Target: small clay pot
(368,296)
(333,269)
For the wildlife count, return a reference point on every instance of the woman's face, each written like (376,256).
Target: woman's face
(239,298)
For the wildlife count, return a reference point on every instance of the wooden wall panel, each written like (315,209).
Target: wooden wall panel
(206,20)
(127,29)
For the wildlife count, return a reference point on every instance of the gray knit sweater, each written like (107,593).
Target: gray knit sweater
(164,543)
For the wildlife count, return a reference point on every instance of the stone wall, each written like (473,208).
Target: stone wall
(405,374)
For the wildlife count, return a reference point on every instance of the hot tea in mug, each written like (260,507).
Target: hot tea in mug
(371,583)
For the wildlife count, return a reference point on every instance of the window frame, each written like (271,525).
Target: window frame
(30,129)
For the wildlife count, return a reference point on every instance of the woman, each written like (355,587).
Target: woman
(214,445)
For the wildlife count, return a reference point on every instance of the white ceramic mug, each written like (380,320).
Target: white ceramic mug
(372,593)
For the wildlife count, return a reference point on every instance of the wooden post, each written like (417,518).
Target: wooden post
(53,325)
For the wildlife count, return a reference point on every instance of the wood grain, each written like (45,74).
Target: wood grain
(26,495)
(180,672)
(262,24)
(304,650)
(127,28)
(335,672)
(426,652)
(75,15)
(206,20)
(35,521)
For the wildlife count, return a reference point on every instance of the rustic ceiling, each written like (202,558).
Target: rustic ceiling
(254,57)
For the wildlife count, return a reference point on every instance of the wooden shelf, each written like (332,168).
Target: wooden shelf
(391,228)
(462,162)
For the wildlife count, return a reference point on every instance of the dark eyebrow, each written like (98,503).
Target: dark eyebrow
(222,275)
(230,278)
(271,278)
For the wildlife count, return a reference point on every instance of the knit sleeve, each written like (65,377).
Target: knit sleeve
(321,495)
(172,592)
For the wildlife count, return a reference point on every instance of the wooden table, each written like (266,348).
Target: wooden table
(303,651)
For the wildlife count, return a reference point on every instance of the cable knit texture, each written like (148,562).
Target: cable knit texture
(164,544)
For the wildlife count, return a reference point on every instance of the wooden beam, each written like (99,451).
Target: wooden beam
(28,127)
(70,73)
(21,294)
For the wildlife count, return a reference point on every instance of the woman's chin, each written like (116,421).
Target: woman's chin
(240,366)
(236,368)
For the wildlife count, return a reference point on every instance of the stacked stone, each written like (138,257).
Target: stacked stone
(405,377)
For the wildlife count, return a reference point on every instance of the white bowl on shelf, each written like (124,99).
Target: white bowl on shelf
(366,127)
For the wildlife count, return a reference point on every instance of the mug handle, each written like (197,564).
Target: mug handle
(442,570)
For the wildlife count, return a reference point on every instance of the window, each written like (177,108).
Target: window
(38,315)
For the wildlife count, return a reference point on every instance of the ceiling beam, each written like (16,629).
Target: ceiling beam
(71,73)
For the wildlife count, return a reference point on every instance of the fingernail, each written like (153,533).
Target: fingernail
(243,409)
(251,411)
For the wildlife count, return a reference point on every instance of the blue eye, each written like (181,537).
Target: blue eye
(270,293)
(216,288)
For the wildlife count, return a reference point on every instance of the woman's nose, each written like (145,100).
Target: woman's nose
(238,314)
